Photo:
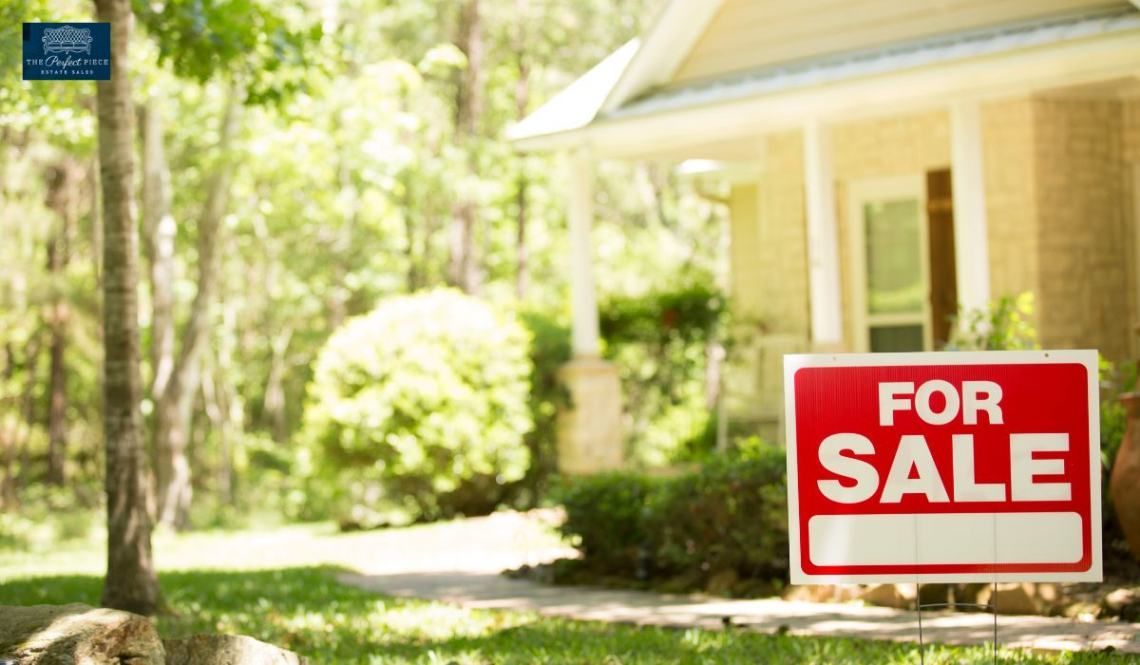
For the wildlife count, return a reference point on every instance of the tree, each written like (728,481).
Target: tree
(131,583)
(64,186)
(464,269)
(175,388)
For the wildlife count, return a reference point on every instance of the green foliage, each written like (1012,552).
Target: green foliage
(659,342)
(606,517)
(420,408)
(728,515)
(51,517)
(348,169)
(549,351)
(267,46)
(308,611)
(1115,380)
(1005,325)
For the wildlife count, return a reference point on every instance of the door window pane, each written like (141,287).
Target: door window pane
(897,338)
(894,265)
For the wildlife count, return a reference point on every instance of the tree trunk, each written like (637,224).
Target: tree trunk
(463,268)
(274,406)
(28,409)
(173,407)
(130,584)
(522,101)
(64,181)
(97,225)
(159,232)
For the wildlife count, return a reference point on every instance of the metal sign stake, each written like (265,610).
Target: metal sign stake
(990,607)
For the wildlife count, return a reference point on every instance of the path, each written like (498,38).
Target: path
(467,555)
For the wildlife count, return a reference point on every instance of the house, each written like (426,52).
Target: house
(890,162)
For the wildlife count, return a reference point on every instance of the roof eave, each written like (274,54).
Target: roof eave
(990,77)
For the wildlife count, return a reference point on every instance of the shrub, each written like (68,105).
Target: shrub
(550,350)
(1005,324)
(606,518)
(418,409)
(728,515)
(659,342)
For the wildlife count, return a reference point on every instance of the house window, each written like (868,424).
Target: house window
(891,289)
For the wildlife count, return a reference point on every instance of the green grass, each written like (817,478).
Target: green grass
(308,611)
(304,608)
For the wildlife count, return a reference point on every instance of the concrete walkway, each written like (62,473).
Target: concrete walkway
(456,574)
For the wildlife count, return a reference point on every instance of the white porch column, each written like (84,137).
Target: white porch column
(823,240)
(583,299)
(590,431)
(972,254)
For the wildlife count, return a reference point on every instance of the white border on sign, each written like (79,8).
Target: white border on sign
(1088,358)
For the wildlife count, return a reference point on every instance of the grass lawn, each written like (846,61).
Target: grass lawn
(305,609)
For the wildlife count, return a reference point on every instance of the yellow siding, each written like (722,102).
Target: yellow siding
(752,33)
(744,247)
(783,237)
(1011,196)
(1085,297)
(769,280)
(901,145)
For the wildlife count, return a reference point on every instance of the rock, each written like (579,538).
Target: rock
(722,582)
(934,596)
(824,593)
(967,593)
(1080,610)
(887,595)
(77,635)
(1124,603)
(1013,598)
(227,650)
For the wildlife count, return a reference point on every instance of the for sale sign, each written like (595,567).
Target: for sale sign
(941,467)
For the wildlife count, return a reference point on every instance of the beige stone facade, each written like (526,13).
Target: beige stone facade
(1061,176)
(590,431)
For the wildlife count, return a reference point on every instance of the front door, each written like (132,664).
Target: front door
(902,257)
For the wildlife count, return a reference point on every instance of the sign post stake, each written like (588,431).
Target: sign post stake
(990,607)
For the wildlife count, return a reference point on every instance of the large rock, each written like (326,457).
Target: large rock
(1013,598)
(1124,603)
(888,595)
(227,650)
(77,635)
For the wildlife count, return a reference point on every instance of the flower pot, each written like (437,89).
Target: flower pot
(1124,485)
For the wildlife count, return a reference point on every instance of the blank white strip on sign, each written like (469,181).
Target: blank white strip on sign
(944,538)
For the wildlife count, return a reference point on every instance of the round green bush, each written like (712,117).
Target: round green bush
(418,409)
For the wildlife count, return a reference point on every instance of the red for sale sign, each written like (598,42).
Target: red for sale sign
(943,467)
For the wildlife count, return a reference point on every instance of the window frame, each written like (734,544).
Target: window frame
(872,190)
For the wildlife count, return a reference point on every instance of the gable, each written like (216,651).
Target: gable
(748,34)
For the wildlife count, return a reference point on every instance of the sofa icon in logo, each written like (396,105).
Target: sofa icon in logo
(72,51)
(67,39)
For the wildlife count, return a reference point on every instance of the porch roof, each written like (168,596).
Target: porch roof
(569,116)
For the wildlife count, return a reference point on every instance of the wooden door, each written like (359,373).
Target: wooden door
(943,273)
